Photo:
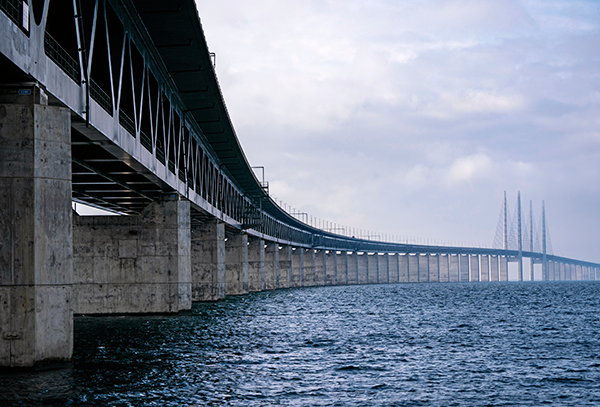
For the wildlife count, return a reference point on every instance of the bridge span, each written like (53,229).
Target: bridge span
(116,104)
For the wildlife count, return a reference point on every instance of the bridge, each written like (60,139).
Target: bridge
(116,104)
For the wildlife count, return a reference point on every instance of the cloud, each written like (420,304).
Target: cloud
(413,117)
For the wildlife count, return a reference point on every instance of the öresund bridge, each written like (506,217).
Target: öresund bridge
(115,104)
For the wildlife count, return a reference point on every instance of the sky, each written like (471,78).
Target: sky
(411,118)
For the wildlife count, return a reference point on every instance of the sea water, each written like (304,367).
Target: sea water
(468,344)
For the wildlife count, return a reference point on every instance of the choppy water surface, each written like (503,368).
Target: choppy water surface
(420,344)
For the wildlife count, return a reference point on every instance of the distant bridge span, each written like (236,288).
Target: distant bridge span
(116,104)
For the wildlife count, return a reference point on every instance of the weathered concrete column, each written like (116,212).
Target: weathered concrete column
(474,267)
(453,271)
(309,268)
(256,264)
(353,268)
(484,268)
(434,268)
(285,267)
(423,260)
(403,263)
(503,265)
(444,263)
(341,268)
(36,252)
(384,268)
(413,268)
(208,262)
(394,268)
(463,267)
(320,267)
(271,266)
(236,264)
(331,268)
(363,268)
(134,264)
(372,268)
(298,267)
(494,276)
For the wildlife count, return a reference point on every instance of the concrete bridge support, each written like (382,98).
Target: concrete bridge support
(423,268)
(297,267)
(236,264)
(394,267)
(271,266)
(403,263)
(320,267)
(474,267)
(484,268)
(372,268)
(285,267)
(309,268)
(363,268)
(494,268)
(208,262)
(342,268)
(133,264)
(463,267)
(256,264)
(331,268)
(434,268)
(413,268)
(503,267)
(36,252)
(444,263)
(384,268)
(353,268)
(453,265)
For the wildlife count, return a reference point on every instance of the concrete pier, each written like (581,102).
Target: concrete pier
(474,267)
(133,264)
(444,264)
(423,267)
(309,268)
(413,268)
(463,267)
(363,268)
(484,267)
(208,262)
(320,267)
(36,253)
(297,267)
(494,268)
(353,268)
(434,268)
(285,267)
(372,268)
(331,268)
(503,263)
(236,264)
(403,263)
(453,264)
(256,264)
(271,266)
(393,268)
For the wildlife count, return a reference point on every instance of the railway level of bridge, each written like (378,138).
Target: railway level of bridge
(92,109)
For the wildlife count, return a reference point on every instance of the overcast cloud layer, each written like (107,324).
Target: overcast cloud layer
(412,117)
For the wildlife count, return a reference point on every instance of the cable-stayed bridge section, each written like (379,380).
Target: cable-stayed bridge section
(116,104)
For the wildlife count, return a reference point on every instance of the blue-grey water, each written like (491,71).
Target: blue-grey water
(499,344)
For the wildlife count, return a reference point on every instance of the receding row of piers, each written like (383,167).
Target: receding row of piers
(156,262)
